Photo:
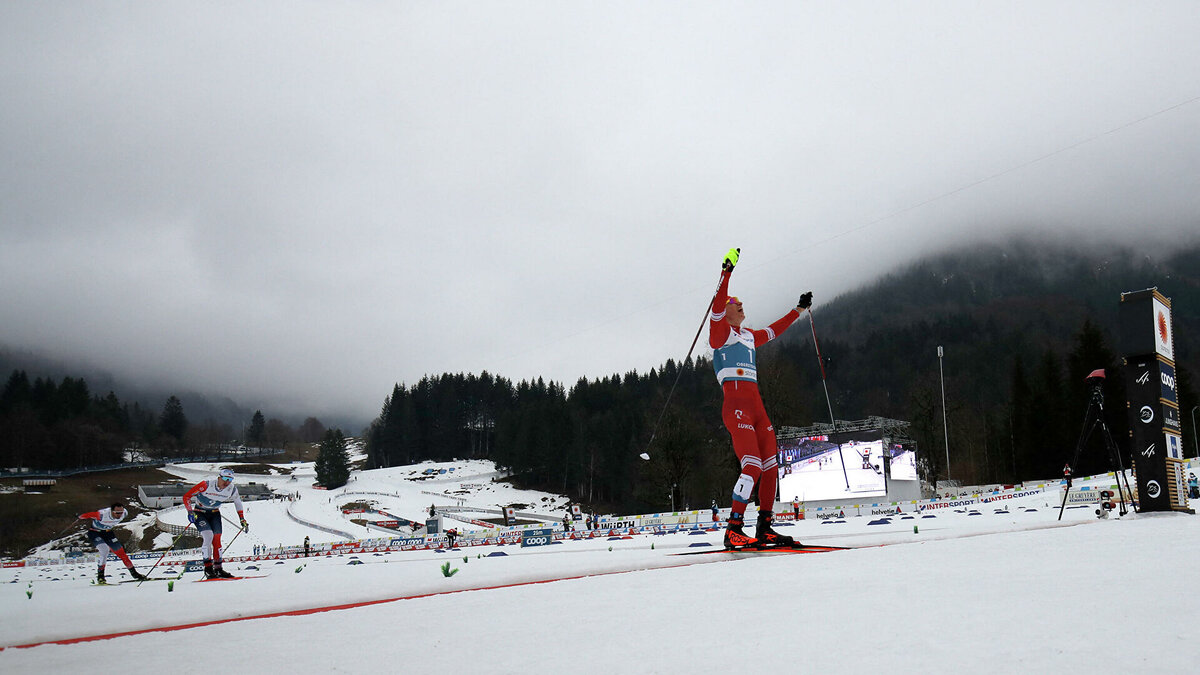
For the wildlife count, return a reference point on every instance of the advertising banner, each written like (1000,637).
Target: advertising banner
(1174,445)
(1146,328)
(1083,497)
(1166,380)
(1171,419)
(1147,445)
(406,543)
(1164,339)
(540,537)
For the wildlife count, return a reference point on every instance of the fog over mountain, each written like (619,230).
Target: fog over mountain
(199,407)
(298,206)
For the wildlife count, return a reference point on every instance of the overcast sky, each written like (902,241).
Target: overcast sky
(305,203)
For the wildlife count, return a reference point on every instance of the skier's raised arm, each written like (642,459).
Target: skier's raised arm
(718,329)
(761,337)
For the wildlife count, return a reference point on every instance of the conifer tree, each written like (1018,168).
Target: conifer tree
(172,421)
(254,433)
(333,461)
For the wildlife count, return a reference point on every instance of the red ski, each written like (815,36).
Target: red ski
(248,576)
(797,548)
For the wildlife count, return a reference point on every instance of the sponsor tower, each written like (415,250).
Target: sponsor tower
(1148,345)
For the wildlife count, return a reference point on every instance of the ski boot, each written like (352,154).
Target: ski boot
(735,536)
(100,577)
(221,573)
(767,537)
(210,572)
(136,574)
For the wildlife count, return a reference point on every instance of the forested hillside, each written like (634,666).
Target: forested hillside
(1021,325)
(61,426)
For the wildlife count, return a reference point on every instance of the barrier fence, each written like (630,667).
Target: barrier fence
(149,463)
(608,527)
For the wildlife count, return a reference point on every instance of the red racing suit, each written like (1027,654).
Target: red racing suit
(743,413)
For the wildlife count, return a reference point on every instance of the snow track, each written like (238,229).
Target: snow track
(975,584)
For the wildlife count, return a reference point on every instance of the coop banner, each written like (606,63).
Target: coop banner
(540,537)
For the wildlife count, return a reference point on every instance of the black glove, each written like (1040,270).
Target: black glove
(805,301)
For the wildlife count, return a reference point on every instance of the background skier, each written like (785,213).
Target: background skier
(100,532)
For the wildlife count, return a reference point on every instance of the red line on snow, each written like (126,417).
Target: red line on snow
(330,608)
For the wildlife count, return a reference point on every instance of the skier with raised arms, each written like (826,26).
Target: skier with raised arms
(743,412)
(205,514)
(100,532)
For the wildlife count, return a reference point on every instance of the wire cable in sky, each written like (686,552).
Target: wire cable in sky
(986,179)
(858,228)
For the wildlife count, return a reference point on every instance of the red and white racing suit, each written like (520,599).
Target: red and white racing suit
(100,532)
(743,413)
(206,508)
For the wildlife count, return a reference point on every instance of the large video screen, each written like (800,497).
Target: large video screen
(841,466)
(903,461)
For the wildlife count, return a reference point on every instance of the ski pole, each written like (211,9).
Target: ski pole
(239,533)
(707,311)
(231,522)
(61,532)
(238,526)
(230,544)
(68,527)
(821,362)
(160,558)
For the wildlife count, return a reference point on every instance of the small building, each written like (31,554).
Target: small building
(171,494)
(38,483)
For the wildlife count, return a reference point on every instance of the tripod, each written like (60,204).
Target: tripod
(1094,417)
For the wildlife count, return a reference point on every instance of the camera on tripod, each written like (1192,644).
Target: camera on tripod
(1094,419)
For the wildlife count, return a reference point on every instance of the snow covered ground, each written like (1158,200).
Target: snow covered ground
(406,492)
(995,587)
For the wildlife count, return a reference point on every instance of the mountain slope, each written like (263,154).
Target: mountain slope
(1024,311)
